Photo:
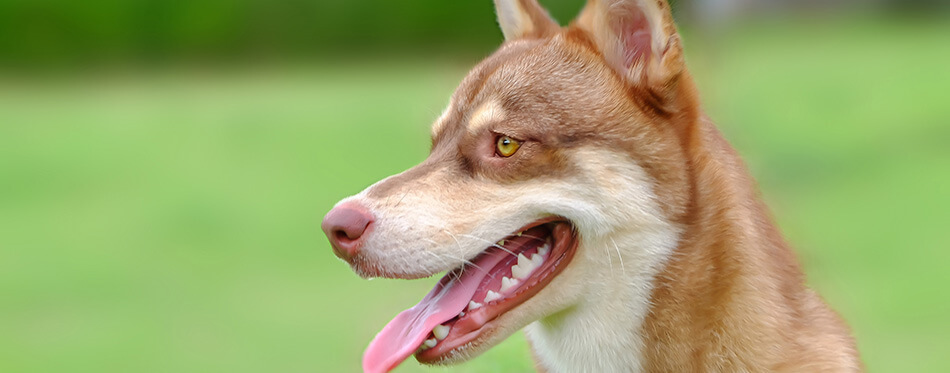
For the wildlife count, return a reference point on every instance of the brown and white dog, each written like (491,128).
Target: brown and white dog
(576,189)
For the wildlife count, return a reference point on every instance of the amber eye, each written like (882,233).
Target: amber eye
(506,146)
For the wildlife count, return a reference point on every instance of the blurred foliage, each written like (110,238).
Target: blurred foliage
(60,32)
(40,34)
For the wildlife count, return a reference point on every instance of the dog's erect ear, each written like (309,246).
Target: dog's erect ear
(637,38)
(524,19)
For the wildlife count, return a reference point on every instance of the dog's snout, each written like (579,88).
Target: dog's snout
(345,227)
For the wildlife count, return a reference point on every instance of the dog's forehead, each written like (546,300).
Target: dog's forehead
(505,66)
(520,73)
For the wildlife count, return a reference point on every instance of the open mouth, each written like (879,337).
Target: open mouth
(465,303)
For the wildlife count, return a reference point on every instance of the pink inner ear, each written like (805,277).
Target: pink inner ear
(633,29)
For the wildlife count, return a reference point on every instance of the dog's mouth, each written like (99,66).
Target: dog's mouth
(466,303)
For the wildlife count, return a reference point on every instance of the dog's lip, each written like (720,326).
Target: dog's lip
(483,321)
(369,268)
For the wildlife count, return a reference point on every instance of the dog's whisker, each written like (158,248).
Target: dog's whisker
(442,256)
(622,269)
(457,243)
(445,262)
(473,264)
(491,244)
(536,238)
(403,197)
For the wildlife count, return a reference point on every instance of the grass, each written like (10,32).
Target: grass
(169,222)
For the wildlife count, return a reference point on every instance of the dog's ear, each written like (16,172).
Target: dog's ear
(637,38)
(524,19)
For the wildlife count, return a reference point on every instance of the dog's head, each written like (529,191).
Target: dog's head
(563,146)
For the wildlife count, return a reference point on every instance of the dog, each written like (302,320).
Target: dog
(576,189)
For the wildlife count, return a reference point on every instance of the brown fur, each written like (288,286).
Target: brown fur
(733,297)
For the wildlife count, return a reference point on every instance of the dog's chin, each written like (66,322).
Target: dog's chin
(490,335)
(547,303)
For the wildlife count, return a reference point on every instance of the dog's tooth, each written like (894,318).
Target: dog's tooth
(520,272)
(461,314)
(537,260)
(507,284)
(492,296)
(429,343)
(544,249)
(474,305)
(519,234)
(501,243)
(441,331)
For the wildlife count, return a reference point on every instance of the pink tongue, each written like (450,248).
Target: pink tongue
(405,333)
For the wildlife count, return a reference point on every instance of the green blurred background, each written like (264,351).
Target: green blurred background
(164,166)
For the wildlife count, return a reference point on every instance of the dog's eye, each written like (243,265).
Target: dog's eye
(506,146)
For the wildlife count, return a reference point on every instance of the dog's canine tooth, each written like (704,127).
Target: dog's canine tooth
(492,296)
(472,305)
(520,272)
(441,331)
(523,261)
(525,266)
(507,284)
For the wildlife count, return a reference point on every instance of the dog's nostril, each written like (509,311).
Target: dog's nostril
(342,236)
(350,229)
(345,226)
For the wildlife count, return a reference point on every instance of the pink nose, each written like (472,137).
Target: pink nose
(345,226)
